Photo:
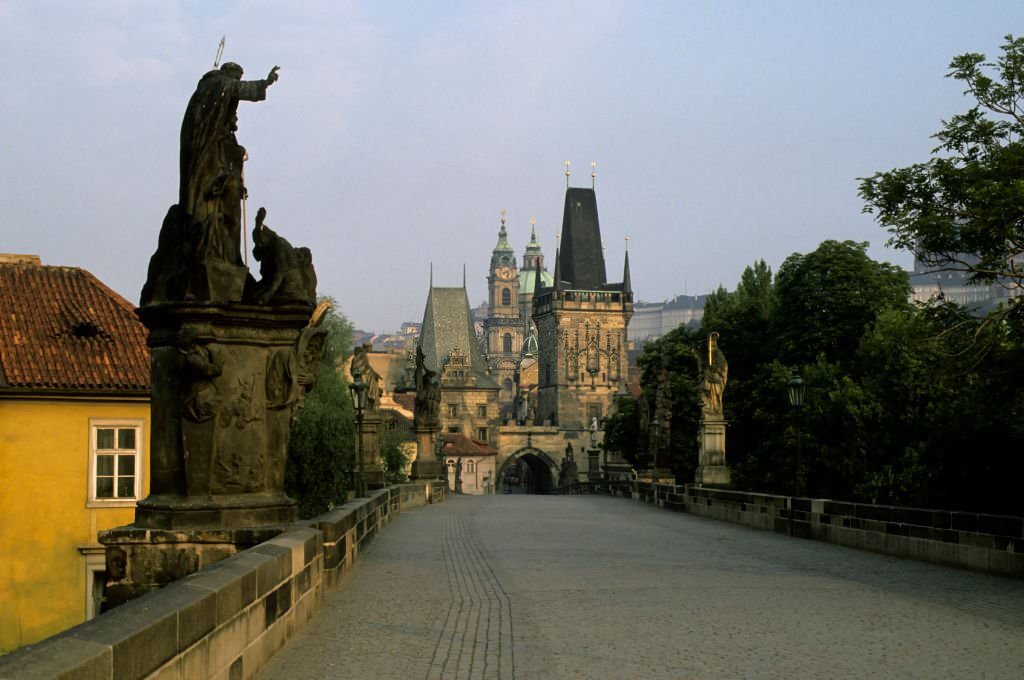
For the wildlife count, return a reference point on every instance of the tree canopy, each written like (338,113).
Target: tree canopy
(903,405)
(321,448)
(963,209)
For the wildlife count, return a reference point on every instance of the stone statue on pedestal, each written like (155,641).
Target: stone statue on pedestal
(712,469)
(232,356)
(232,359)
(715,374)
(428,395)
(370,377)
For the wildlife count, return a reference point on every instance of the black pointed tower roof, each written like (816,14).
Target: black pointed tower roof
(580,260)
(627,285)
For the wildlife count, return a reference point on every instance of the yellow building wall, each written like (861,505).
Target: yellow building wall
(44,518)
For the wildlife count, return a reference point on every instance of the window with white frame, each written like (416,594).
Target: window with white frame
(115,462)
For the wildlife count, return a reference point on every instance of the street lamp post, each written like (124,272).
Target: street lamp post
(655,445)
(796,401)
(358,391)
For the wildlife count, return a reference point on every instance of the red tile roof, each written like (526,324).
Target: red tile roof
(406,400)
(461,445)
(61,329)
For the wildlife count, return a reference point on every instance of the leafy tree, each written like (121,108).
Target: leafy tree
(321,448)
(964,208)
(674,352)
(743,319)
(745,322)
(948,425)
(828,298)
(395,456)
(624,430)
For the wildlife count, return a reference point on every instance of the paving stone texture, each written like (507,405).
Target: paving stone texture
(596,587)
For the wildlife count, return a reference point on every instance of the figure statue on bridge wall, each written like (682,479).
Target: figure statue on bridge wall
(715,372)
(711,468)
(428,394)
(227,378)
(199,252)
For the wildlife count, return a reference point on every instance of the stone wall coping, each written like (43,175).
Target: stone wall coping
(155,631)
(973,522)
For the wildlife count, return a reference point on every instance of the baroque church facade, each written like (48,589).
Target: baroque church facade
(551,359)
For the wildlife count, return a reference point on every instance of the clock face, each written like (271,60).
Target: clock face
(504,273)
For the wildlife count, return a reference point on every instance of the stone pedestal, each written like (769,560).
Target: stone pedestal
(426,465)
(711,468)
(371,451)
(140,560)
(227,380)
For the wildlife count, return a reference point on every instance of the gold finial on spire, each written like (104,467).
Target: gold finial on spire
(503,217)
(533,228)
(567,174)
(593,174)
(627,243)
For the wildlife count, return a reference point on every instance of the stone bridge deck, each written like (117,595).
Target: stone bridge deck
(598,587)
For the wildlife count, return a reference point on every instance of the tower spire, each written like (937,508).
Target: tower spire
(593,175)
(567,174)
(627,285)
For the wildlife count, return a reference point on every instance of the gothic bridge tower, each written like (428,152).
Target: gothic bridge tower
(581,324)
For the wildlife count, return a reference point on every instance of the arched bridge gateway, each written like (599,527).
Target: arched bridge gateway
(528,470)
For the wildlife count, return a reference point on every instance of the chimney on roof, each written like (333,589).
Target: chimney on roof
(16,258)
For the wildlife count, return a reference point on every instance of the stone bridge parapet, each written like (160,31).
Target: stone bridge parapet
(969,540)
(226,620)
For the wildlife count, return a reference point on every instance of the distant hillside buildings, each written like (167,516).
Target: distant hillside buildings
(955,286)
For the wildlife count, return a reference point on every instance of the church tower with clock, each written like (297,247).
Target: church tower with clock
(503,329)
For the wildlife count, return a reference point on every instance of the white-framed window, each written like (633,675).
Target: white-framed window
(95,578)
(115,462)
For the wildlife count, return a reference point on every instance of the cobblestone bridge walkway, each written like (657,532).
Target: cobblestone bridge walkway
(595,587)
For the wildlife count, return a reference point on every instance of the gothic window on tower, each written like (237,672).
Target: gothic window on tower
(506,296)
(453,410)
(506,341)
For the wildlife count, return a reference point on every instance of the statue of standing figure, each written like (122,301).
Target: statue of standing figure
(211,185)
(428,394)
(715,372)
(199,252)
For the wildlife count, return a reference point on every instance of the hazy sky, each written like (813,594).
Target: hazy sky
(724,132)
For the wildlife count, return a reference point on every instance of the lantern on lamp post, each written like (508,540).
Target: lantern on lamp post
(796,401)
(358,390)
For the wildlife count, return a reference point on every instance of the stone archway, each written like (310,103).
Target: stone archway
(528,470)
